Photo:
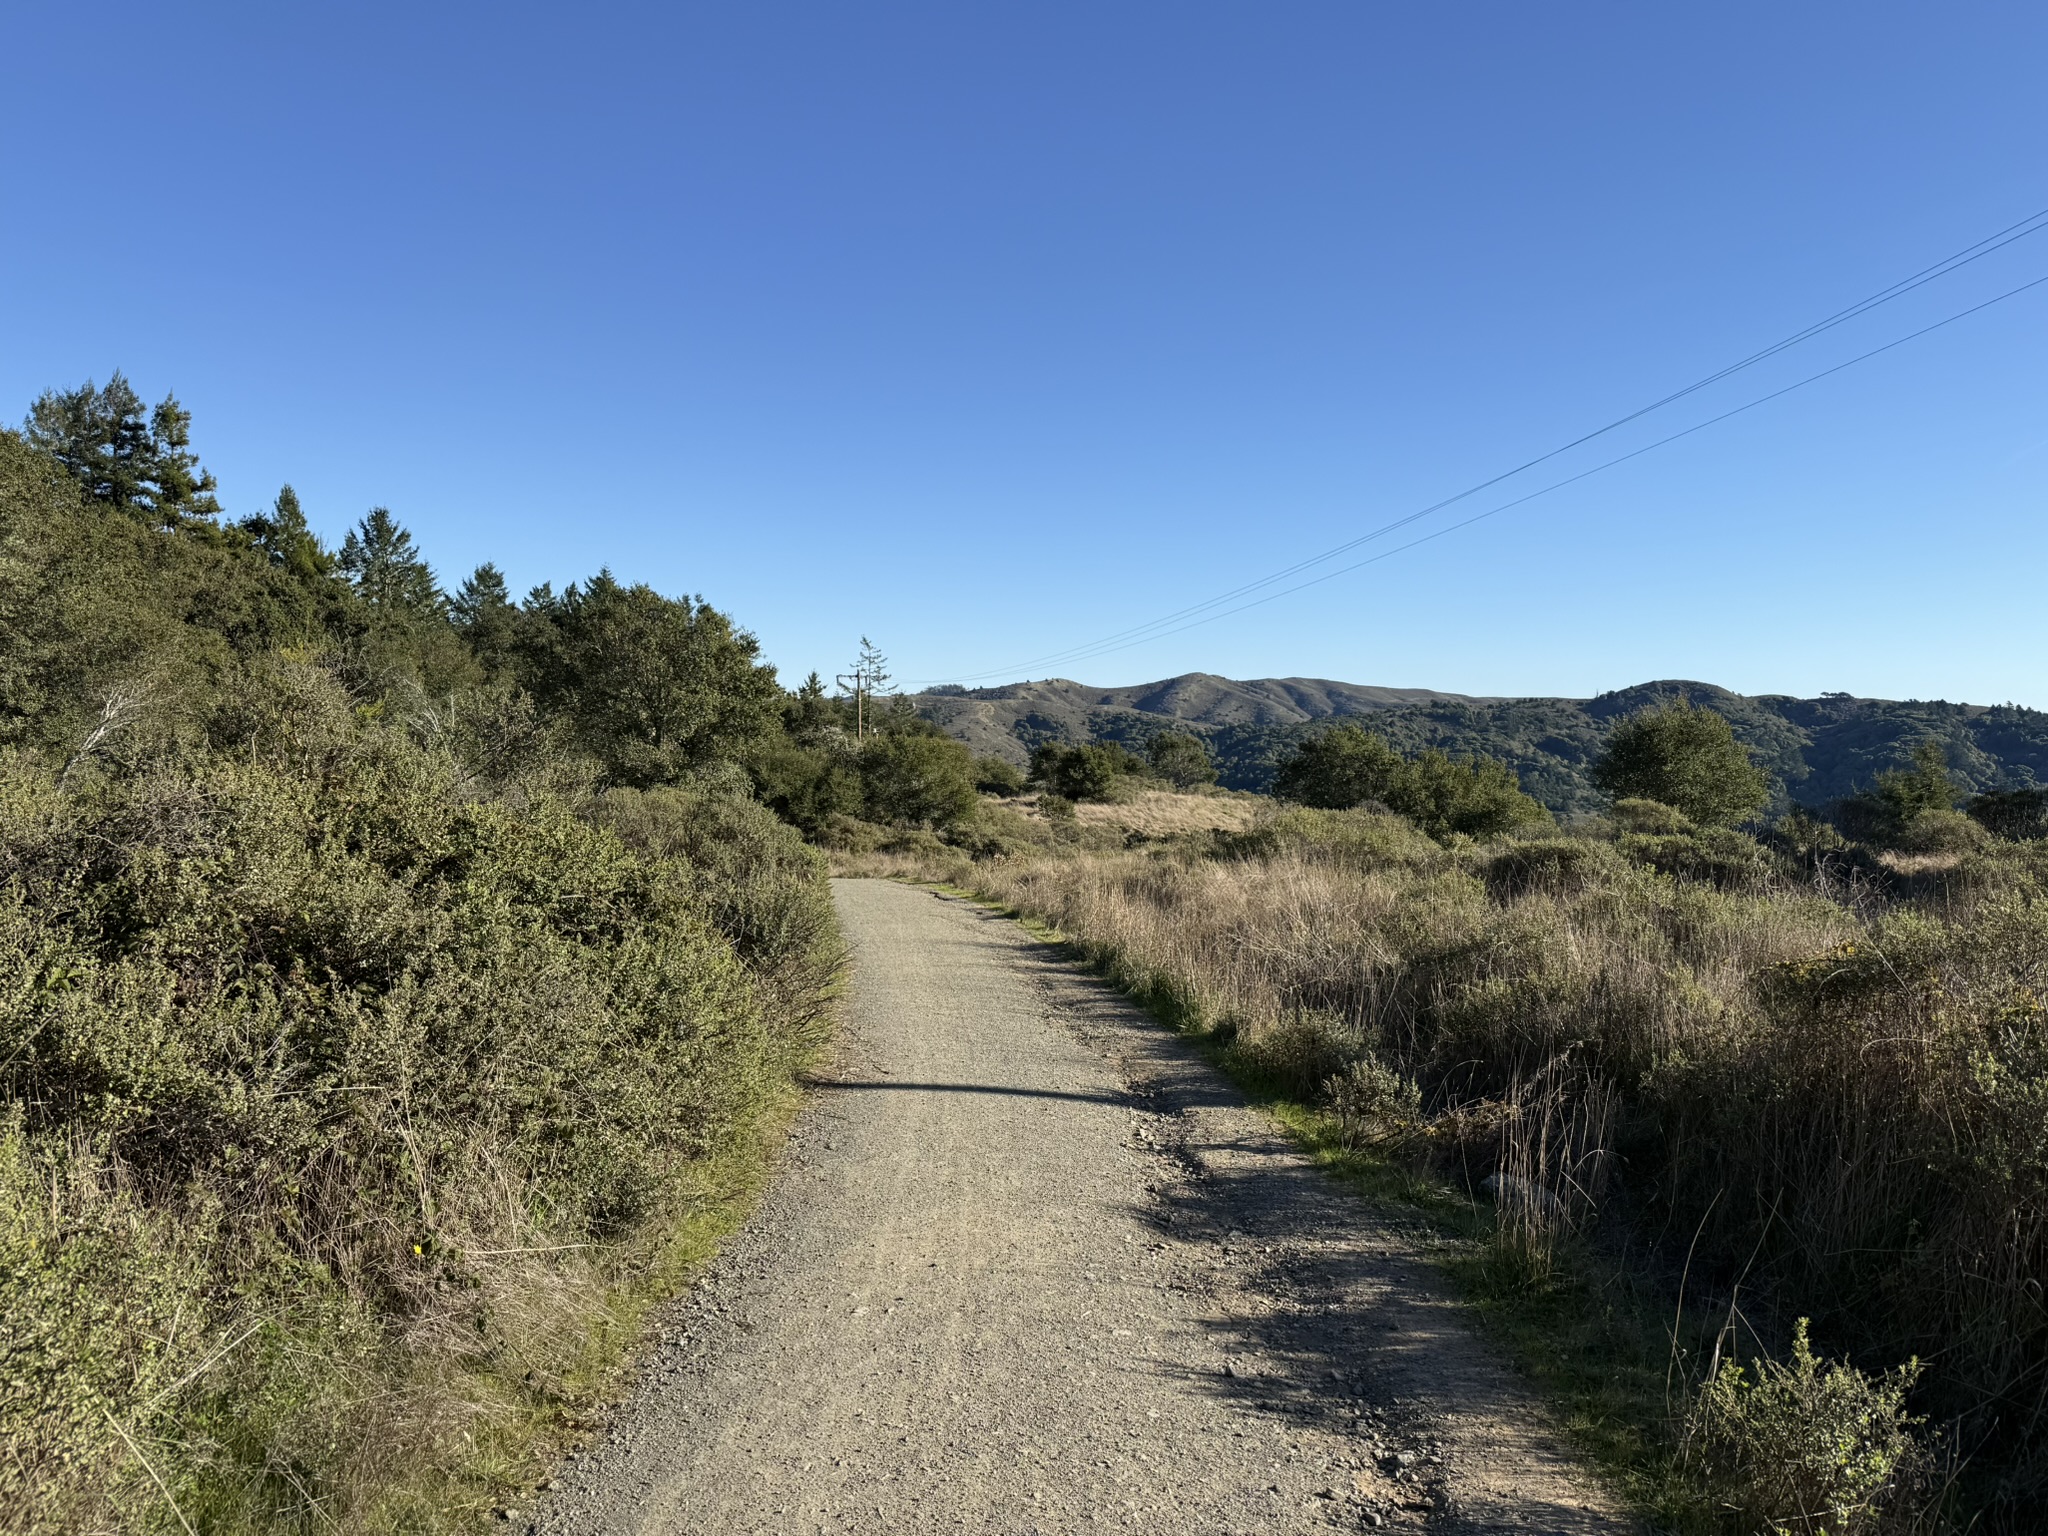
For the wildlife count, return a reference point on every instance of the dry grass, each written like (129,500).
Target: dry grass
(1164,813)
(1827,1110)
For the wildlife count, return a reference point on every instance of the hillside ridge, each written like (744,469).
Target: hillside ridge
(1815,749)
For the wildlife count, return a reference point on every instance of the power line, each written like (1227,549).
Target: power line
(1106,649)
(1168,623)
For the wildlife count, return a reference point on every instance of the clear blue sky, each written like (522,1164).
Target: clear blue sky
(989,330)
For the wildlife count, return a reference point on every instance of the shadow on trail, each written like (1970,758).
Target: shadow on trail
(1121,1100)
(1321,1311)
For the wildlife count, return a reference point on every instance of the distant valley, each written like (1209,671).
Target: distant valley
(1816,750)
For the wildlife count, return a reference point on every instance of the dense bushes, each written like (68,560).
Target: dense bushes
(317,1065)
(1347,766)
(384,982)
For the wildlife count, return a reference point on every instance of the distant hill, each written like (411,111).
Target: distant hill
(1816,750)
(1011,720)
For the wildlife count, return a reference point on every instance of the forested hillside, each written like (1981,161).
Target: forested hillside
(1816,750)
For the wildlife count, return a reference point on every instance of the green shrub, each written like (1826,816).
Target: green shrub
(1681,755)
(1180,759)
(1718,855)
(998,776)
(1652,818)
(1374,1103)
(1559,864)
(1807,1446)
(1941,831)
(1360,838)
(299,1035)
(1346,766)
(757,880)
(917,779)
(1083,773)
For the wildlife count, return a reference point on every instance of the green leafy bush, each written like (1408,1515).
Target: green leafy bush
(1346,767)
(1681,755)
(1084,773)
(1180,759)
(998,776)
(1808,1446)
(1941,831)
(917,778)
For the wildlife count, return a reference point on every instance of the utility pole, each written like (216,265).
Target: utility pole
(860,680)
(869,673)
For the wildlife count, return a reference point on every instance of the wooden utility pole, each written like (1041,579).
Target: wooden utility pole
(859,679)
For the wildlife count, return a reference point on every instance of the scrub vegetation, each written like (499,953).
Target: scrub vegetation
(401,987)
(1753,1117)
(398,993)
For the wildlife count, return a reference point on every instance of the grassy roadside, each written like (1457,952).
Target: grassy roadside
(525,1423)
(1584,1333)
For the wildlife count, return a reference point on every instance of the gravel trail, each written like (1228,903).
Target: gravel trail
(1030,1266)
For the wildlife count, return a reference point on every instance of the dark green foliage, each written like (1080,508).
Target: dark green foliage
(1180,759)
(1686,757)
(1813,750)
(995,776)
(284,536)
(917,778)
(95,606)
(1890,808)
(652,687)
(140,465)
(1472,797)
(2014,814)
(381,562)
(807,786)
(1083,773)
(1347,766)
(488,621)
(762,886)
(1338,768)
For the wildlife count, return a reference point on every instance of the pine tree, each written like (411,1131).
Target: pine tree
(143,465)
(379,558)
(283,534)
(485,616)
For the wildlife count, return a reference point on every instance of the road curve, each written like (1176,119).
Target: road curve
(1030,1266)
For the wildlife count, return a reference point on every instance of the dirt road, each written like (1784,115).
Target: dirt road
(1032,1267)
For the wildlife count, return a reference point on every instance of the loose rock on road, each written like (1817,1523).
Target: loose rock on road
(1031,1266)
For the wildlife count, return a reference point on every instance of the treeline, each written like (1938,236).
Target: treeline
(1815,752)
(389,978)
(129,593)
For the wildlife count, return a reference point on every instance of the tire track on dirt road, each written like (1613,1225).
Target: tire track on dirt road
(1031,1266)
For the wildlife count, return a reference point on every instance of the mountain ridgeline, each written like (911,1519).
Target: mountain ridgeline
(1816,751)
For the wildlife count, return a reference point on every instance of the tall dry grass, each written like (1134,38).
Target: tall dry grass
(1832,1109)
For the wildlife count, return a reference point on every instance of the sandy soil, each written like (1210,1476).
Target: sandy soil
(1033,1267)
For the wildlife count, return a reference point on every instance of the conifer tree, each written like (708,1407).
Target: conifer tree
(379,558)
(141,463)
(487,619)
(283,534)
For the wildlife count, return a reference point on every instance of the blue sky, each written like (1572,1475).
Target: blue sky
(988,331)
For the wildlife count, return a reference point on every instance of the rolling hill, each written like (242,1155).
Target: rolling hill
(1816,750)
